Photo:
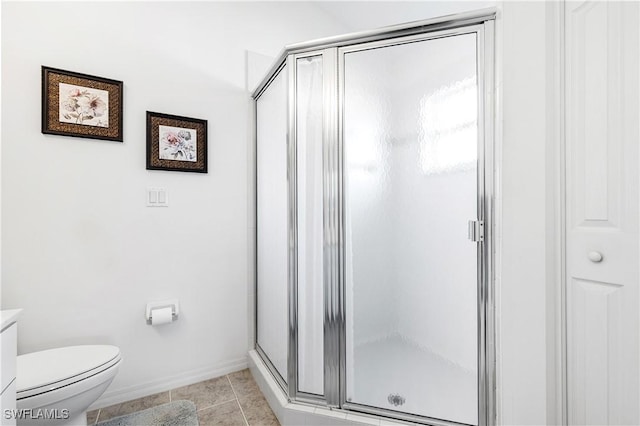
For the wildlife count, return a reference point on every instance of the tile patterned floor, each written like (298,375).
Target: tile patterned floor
(231,400)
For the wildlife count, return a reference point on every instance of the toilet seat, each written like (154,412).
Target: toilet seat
(46,371)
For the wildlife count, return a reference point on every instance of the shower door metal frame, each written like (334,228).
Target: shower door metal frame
(332,51)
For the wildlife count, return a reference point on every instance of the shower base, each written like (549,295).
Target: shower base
(428,383)
(296,414)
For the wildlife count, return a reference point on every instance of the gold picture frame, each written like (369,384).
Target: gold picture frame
(176,143)
(81,105)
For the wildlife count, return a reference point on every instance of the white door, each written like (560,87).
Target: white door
(602,130)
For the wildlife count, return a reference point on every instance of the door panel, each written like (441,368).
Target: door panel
(603,321)
(310,310)
(272,232)
(410,159)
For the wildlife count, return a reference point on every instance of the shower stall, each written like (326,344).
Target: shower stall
(374,197)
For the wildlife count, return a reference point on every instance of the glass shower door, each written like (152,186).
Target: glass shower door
(272,228)
(410,139)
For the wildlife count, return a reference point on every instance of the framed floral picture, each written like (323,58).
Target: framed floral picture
(81,105)
(176,143)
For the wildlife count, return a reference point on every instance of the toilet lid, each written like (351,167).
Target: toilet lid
(46,368)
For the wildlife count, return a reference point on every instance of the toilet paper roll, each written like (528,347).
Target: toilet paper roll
(161,316)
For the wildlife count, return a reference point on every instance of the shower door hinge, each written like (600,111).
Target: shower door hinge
(476,230)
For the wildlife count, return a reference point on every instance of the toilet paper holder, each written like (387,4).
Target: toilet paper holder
(172,303)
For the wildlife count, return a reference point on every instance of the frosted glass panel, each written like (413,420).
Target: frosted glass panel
(310,276)
(272,249)
(410,141)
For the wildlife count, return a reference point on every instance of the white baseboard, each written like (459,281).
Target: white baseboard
(164,384)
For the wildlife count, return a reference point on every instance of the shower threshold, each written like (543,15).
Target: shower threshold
(296,414)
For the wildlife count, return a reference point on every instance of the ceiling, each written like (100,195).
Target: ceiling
(366,15)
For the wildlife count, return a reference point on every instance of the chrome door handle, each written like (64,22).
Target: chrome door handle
(476,230)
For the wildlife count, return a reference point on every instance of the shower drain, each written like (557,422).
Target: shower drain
(396,399)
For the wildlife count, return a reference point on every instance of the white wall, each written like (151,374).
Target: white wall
(82,253)
(0,179)
(527,215)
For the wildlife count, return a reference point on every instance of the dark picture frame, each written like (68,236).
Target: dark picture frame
(176,143)
(81,105)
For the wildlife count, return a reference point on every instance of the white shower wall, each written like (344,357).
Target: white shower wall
(371,201)
(427,306)
(436,302)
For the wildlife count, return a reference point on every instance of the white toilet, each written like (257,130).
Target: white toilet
(58,385)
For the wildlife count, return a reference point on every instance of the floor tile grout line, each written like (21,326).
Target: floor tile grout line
(215,405)
(246,422)
(238,401)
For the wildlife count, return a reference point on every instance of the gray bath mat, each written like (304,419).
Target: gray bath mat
(176,413)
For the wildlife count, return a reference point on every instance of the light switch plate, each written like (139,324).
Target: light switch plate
(157,197)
